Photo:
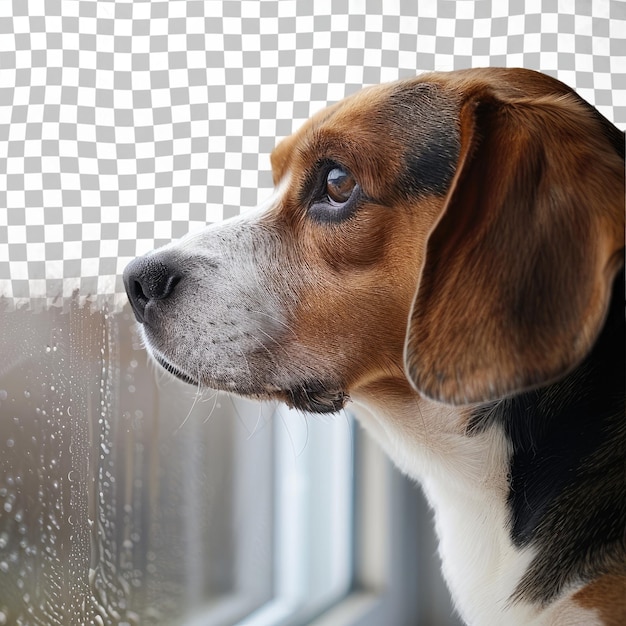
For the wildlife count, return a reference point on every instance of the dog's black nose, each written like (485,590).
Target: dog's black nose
(149,278)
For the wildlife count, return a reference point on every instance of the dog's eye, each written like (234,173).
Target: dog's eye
(339,185)
(337,197)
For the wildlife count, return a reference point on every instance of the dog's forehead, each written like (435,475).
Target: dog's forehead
(399,129)
(371,109)
(330,121)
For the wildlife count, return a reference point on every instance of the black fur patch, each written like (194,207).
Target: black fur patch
(316,397)
(427,123)
(567,478)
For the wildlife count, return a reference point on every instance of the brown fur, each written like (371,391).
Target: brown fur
(357,274)
(607,596)
(534,181)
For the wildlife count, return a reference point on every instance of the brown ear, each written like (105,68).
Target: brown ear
(518,270)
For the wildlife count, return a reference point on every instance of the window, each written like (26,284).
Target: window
(126,497)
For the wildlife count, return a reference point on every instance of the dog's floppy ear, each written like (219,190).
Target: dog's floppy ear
(518,269)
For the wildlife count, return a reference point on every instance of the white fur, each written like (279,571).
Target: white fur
(229,292)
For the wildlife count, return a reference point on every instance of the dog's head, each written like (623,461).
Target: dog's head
(459,232)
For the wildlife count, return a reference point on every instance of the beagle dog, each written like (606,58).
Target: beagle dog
(446,253)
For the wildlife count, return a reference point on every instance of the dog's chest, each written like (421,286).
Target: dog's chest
(465,481)
(479,561)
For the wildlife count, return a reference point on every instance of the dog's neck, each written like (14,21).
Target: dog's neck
(514,484)
(465,482)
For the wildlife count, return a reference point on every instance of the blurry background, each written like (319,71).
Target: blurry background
(128,498)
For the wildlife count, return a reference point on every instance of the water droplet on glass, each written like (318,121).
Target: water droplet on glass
(10,443)
(3,394)
(26,393)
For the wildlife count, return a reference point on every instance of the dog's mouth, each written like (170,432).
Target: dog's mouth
(174,371)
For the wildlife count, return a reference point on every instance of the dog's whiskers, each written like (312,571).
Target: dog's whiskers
(251,336)
(210,415)
(258,421)
(195,401)
(274,319)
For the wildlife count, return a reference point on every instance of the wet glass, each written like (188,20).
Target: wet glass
(119,488)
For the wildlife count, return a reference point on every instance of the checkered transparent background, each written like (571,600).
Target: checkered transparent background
(124,124)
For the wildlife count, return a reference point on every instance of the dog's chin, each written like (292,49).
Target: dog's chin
(312,397)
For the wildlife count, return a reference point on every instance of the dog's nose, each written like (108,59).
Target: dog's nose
(149,278)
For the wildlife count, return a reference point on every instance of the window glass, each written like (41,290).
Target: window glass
(123,496)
